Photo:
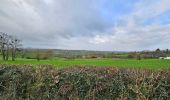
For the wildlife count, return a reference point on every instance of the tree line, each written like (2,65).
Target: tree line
(9,45)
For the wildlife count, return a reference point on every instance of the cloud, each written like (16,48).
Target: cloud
(130,33)
(88,24)
(37,20)
(98,39)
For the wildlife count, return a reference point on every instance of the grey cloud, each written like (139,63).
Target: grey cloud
(39,20)
(71,24)
(139,38)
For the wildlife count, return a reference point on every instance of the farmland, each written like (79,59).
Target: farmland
(84,75)
(108,62)
(85,50)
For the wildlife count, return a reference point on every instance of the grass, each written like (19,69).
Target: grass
(122,63)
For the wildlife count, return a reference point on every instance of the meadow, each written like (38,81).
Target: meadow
(120,63)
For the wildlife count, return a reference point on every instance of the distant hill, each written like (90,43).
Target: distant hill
(74,53)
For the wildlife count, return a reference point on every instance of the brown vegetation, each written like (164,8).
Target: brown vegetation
(82,83)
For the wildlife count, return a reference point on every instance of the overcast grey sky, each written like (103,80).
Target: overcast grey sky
(88,24)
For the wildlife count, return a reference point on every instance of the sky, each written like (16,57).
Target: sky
(105,25)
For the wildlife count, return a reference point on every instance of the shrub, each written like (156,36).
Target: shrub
(82,83)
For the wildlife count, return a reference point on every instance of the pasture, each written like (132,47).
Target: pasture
(120,63)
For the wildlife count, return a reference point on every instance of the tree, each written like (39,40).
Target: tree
(4,45)
(38,55)
(48,54)
(158,50)
(167,51)
(15,44)
(23,53)
(138,57)
(8,43)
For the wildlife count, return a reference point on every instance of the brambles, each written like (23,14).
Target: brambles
(82,83)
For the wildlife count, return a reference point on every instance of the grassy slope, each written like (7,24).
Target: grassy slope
(62,63)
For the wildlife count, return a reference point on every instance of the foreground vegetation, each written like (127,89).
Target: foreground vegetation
(85,83)
(120,63)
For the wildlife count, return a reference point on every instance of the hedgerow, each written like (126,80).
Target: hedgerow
(82,83)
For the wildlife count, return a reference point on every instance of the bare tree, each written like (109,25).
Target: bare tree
(4,45)
(8,43)
(138,56)
(15,45)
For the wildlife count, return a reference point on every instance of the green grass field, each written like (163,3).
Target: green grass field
(123,63)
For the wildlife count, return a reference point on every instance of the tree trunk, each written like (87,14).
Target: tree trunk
(7,54)
(3,54)
(13,54)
